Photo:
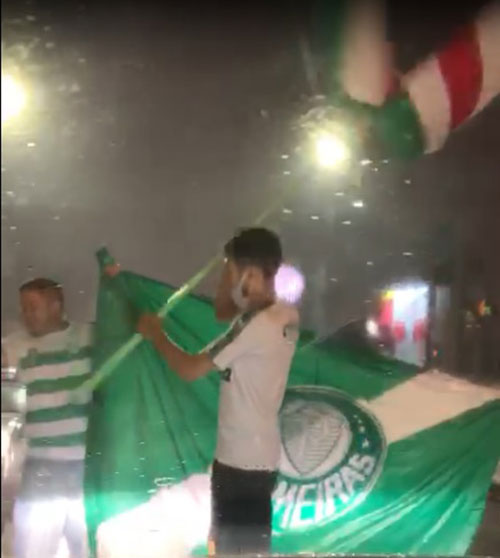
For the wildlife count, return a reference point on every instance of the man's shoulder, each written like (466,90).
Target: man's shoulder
(19,338)
(15,336)
(84,331)
(281,315)
(14,347)
(278,320)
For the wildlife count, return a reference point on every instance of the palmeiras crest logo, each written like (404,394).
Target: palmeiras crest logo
(332,453)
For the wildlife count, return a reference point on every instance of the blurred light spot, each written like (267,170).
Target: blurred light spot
(408,254)
(285,156)
(407,181)
(13,98)
(347,222)
(331,151)
(358,203)
(50,45)
(315,217)
(13,228)
(366,162)
(57,218)
(375,169)
(287,173)
(370,263)
(339,194)
(334,280)
(287,211)
(289,284)
(31,144)
(30,18)
(371,327)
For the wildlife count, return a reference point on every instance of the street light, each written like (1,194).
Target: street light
(13,98)
(331,150)
(327,137)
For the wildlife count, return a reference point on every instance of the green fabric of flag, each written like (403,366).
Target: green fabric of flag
(350,481)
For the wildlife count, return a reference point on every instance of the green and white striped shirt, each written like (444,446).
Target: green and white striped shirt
(52,367)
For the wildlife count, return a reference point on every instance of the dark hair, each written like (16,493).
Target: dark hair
(44,286)
(256,246)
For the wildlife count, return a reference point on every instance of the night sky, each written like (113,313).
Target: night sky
(159,130)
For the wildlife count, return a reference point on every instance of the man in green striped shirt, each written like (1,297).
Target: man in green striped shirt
(52,357)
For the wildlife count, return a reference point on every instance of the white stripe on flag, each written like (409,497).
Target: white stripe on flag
(56,371)
(55,399)
(426,400)
(366,61)
(488,31)
(69,453)
(56,428)
(429,94)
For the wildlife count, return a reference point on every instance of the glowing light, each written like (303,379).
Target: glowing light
(366,162)
(331,151)
(287,211)
(172,523)
(339,194)
(315,217)
(408,293)
(13,98)
(372,327)
(347,222)
(370,263)
(407,254)
(484,309)
(5,442)
(289,284)
(358,203)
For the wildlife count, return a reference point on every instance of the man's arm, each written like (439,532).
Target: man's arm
(186,366)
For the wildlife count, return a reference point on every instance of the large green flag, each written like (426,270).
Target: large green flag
(376,458)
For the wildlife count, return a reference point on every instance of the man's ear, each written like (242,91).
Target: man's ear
(57,307)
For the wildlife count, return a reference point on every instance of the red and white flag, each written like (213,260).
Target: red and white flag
(457,82)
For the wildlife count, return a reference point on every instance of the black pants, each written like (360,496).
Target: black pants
(241,510)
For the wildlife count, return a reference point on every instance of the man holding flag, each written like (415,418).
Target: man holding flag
(254,359)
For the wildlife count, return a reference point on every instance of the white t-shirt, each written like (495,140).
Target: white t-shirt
(254,357)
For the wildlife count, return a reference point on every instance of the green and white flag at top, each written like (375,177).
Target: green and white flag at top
(376,458)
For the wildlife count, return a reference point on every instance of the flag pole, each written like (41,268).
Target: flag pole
(105,259)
